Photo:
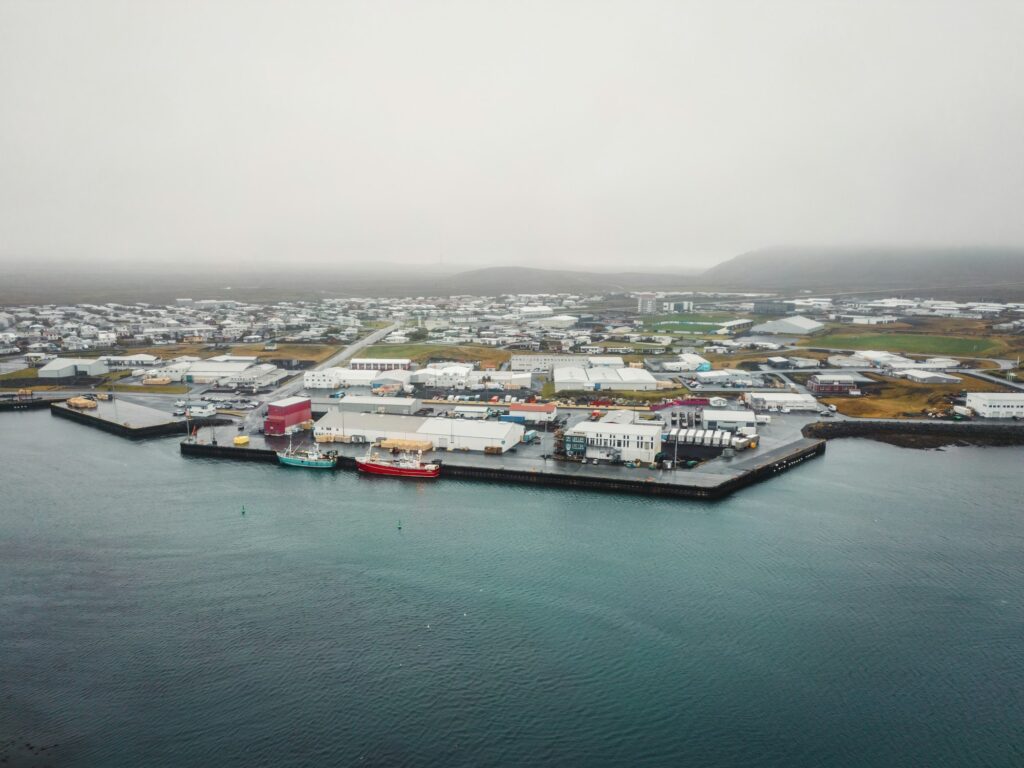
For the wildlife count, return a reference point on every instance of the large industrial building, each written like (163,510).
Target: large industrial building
(442,434)
(379,364)
(603,379)
(287,415)
(402,406)
(610,439)
(834,384)
(688,361)
(229,370)
(996,405)
(796,325)
(919,376)
(541,363)
(336,378)
(464,376)
(769,401)
(729,420)
(732,327)
(533,413)
(67,367)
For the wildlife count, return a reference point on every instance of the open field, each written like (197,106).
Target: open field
(697,319)
(314,353)
(21,373)
(422,353)
(156,389)
(898,398)
(913,343)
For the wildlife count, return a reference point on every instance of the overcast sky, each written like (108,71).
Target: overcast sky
(604,134)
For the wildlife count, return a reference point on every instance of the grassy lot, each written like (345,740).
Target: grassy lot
(712,318)
(898,398)
(23,373)
(139,389)
(315,353)
(913,343)
(422,353)
(285,351)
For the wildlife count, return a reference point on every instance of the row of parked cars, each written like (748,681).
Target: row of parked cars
(219,402)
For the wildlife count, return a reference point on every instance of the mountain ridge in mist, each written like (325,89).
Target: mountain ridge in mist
(866,268)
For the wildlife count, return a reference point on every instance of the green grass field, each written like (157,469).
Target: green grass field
(912,343)
(689,321)
(421,353)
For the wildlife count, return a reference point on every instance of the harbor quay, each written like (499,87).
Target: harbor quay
(131,420)
(713,480)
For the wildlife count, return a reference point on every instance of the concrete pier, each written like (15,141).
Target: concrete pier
(129,420)
(679,483)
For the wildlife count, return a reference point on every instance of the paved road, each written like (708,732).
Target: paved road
(290,388)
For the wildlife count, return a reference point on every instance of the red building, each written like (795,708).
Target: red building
(534,413)
(833,384)
(285,416)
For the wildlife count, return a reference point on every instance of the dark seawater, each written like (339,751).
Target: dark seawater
(866,609)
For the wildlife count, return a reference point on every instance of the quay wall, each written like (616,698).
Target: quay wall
(29,404)
(132,433)
(780,461)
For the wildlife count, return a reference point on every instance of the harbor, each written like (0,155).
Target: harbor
(130,420)
(713,480)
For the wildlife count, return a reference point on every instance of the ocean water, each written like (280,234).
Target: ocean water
(865,609)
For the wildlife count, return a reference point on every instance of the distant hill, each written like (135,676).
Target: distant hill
(38,285)
(852,269)
(497,280)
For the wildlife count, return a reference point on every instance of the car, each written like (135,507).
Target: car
(180,403)
(180,412)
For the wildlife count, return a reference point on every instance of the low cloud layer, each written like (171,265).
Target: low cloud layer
(574,134)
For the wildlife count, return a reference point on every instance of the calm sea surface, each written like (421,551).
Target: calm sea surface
(866,609)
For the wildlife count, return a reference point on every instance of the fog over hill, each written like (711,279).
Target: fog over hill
(976,272)
(71,284)
(868,268)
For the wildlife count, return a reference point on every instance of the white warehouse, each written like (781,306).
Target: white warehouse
(996,405)
(66,367)
(603,378)
(444,434)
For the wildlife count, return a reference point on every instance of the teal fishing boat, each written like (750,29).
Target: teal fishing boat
(311,458)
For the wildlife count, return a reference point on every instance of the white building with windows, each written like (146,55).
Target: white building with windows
(542,363)
(613,441)
(996,405)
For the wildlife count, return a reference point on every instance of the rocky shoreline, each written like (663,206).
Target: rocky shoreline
(920,435)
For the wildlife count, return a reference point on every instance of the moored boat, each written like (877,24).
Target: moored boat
(398,464)
(312,458)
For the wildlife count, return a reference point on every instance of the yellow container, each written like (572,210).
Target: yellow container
(241,440)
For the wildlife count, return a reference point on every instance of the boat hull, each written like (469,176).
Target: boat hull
(388,470)
(293,461)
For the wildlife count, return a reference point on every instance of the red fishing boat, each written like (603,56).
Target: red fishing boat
(398,464)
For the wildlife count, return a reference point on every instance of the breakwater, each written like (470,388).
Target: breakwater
(28,404)
(920,434)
